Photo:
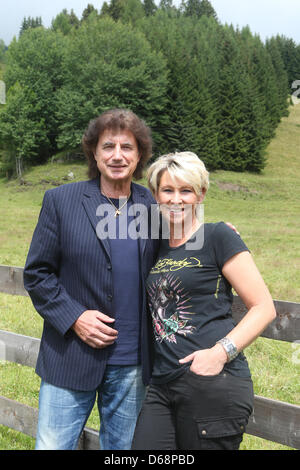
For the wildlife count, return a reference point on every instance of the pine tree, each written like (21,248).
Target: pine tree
(234,110)
(165,4)
(198,8)
(2,50)
(149,7)
(115,9)
(132,11)
(281,75)
(197,117)
(90,9)
(230,129)
(207,9)
(266,82)
(191,106)
(168,7)
(30,23)
(24,26)
(74,21)
(105,9)
(290,56)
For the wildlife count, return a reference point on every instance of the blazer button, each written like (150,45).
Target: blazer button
(109,267)
(110,297)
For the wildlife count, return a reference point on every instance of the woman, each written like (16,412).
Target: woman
(201,393)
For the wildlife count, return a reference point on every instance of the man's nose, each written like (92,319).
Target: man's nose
(117,154)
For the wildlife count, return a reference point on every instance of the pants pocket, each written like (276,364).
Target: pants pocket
(207,396)
(220,433)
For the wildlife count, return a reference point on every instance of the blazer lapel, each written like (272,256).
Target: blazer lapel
(139,198)
(91,201)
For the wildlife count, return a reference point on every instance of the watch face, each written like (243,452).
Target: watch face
(229,347)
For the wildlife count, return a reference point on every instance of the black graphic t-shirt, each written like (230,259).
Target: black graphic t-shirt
(190,300)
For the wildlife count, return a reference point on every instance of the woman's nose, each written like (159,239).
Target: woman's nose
(176,198)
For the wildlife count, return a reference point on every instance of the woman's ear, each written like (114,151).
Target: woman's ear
(202,195)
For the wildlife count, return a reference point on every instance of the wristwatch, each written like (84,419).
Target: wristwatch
(230,348)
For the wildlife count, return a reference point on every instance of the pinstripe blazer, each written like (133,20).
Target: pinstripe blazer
(68,270)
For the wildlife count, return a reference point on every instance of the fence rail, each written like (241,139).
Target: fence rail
(272,419)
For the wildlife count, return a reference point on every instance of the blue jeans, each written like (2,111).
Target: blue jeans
(63,413)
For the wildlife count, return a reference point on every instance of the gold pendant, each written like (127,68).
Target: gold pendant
(118,212)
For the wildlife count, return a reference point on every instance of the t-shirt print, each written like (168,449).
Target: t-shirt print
(170,308)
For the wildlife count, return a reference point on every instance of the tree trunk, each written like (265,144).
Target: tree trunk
(19,167)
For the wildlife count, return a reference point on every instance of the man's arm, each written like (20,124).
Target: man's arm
(48,295)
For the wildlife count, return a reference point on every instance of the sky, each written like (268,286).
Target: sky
(264,17)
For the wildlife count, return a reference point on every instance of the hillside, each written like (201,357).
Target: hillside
(266,209)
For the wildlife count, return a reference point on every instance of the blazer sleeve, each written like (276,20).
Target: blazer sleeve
(41,272)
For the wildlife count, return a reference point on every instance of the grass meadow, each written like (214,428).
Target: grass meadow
(266,210)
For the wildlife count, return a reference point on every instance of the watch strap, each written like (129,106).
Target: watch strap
(230,348)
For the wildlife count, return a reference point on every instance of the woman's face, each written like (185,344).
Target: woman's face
(177,199)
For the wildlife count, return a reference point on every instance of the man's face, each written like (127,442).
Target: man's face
(117,155)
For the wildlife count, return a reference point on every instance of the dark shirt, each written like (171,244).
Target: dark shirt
(190,301)
(127,293)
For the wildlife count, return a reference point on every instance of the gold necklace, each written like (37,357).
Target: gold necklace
(117,209)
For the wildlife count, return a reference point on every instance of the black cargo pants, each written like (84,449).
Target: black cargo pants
(195,412)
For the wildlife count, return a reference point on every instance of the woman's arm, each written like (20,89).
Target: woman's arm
(243,275)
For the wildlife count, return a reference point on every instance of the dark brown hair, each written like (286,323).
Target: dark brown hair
(116,120)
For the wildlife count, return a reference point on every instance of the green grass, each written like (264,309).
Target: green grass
(20,205)
(264,208)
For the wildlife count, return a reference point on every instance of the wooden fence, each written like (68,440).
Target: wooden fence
(271,419)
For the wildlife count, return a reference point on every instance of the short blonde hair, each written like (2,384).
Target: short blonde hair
(186,166)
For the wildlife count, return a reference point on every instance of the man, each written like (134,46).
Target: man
(90,290)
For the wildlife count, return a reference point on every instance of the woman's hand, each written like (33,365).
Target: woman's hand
(207,361)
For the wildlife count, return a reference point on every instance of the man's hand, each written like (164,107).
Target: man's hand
(92,329)
(233,228)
